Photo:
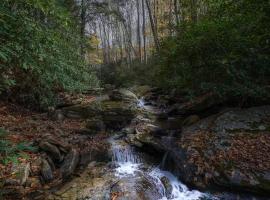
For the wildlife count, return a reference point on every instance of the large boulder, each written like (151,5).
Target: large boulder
(139,187)
(143,90)
(147,136)
(123,95)
(197,105)
(228,150)
(114,114)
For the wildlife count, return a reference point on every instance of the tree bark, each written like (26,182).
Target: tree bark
(155,34)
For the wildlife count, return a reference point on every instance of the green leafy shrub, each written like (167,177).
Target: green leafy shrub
(226,51)
(39,52)
(10,152)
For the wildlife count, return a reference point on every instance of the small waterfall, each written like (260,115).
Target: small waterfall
(125,155)
(141,103)
(127,160)
(130,163)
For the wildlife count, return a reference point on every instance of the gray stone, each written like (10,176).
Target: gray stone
(168,187)
(70,163)
(46,171)
(52,150)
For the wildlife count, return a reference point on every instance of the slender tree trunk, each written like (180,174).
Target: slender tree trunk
(83,24)
(176,12)
(170,18)
(139,31)
(155,35)
(193,11)
(144,34)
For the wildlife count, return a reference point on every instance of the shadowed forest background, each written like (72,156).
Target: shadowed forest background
(191,46)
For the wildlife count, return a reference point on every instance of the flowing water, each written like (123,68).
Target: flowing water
(131,164)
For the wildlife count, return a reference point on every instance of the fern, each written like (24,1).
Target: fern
(10,152)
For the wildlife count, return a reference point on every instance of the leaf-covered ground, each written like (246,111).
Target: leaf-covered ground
(247,152)
(24,128)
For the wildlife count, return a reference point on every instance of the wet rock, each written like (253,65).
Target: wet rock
(46,171)
(148,141)
(168,187)
(138,187)
(191,120)
(141,91)
(95,125)
(131,139)
(52,150)
(128,130)
(89,155)
(70,163)
(150,129)
(122,95)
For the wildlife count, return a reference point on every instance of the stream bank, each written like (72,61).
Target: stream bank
(139,139)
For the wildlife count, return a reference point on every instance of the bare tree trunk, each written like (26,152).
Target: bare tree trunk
(139,30)
(144,34)
(193,10)
(83,24)
(155,35)
(170,18)
(176,12)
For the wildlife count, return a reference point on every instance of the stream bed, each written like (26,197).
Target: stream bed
(131,174)
(160,184)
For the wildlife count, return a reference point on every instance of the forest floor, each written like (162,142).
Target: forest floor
(24,128)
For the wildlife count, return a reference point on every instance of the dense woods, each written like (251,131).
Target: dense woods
(111,96)
(41,50)
(199,46)
(196,46)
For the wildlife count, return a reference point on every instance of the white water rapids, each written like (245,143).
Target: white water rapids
(130,163)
